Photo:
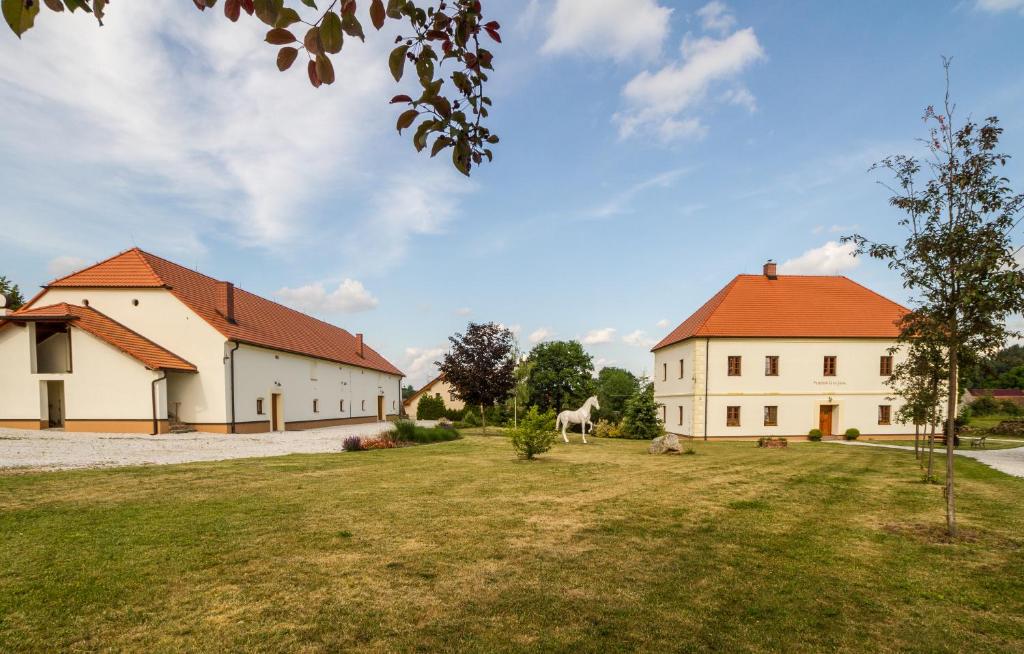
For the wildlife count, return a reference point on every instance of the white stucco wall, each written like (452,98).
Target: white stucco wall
(163,319)
(259,373)
(800,388)
(105,383)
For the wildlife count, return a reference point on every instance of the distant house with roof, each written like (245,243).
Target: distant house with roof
(779,355)
(137,343)
(436,387)
(1015,395)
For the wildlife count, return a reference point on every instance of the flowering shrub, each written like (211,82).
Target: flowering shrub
(606,429)
(352,444)
(379,443)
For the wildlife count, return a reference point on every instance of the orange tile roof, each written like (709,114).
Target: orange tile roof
(258,321)
(106,329)
(792,306)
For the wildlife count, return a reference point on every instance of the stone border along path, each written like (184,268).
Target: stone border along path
(1010,461)
(58,450)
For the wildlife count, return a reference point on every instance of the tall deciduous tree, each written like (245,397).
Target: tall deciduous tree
(450,108)
(480,365)
(614,388)
(958,255)
(11,291)
(561,377)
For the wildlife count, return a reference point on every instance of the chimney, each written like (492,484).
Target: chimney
(770,270)
(359,345)
(226,300)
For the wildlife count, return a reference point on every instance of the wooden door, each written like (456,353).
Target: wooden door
(276,423)
(825,419)
(380,407)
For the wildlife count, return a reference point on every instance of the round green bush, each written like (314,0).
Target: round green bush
(852,434)
(814,435)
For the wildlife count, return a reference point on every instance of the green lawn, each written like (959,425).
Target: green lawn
(987,422)
(459,547)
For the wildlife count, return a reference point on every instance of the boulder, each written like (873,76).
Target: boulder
(667,444)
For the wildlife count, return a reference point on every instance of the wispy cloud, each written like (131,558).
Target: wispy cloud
(638,338)
(830,259)
(662,324)
(463,311)
(598,336)
(617,29)
(715,16)
(60,266)
(349,297)
(418,364)
(541,334)
(663,103)
(999,6)
(622,202)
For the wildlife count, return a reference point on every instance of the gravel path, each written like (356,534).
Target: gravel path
(1010,461)
(56,450)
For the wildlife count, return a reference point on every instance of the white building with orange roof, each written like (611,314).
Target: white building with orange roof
(779,355)
(137,343)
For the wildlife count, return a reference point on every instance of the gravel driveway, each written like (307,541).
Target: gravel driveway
(1010,461)
(57,450)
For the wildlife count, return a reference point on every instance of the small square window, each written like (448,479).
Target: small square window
(316,406)
(664,372)
(259,406)
(771,366)
(732,416)
(341,406)
(735,366)
(681,368)
(362,405)
(680,415)
(771,416)
(663,419)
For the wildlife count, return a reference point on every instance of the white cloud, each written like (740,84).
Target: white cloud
(663,323)
(601,362)
(716,17)
(599,336)
(638,338)
(998,6)
(515,329)
(421,202)
(541,334)
(463,311)
(621,202)
(656,101)
(620,29)
(185,108)
(349,297)
(741,97)
(60,266)
(829,259)
(419,364)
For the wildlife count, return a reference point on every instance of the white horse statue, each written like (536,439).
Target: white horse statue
(580,416)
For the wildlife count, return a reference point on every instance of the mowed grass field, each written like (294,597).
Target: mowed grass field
(460,547)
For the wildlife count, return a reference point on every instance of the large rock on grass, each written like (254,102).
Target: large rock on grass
(667,444)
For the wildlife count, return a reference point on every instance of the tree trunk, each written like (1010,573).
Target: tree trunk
(931,453)
(917,437)
(950,436)
(483,418)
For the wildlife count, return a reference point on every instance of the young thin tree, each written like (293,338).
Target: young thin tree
(480,365)
(958,255)
(919,380)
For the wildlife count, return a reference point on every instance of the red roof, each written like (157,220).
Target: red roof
(792,306)
(258,321)
(106,329)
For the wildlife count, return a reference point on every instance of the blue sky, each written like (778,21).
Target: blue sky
(650,151)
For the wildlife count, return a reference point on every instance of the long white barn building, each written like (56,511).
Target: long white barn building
(779,355)
(137,343)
